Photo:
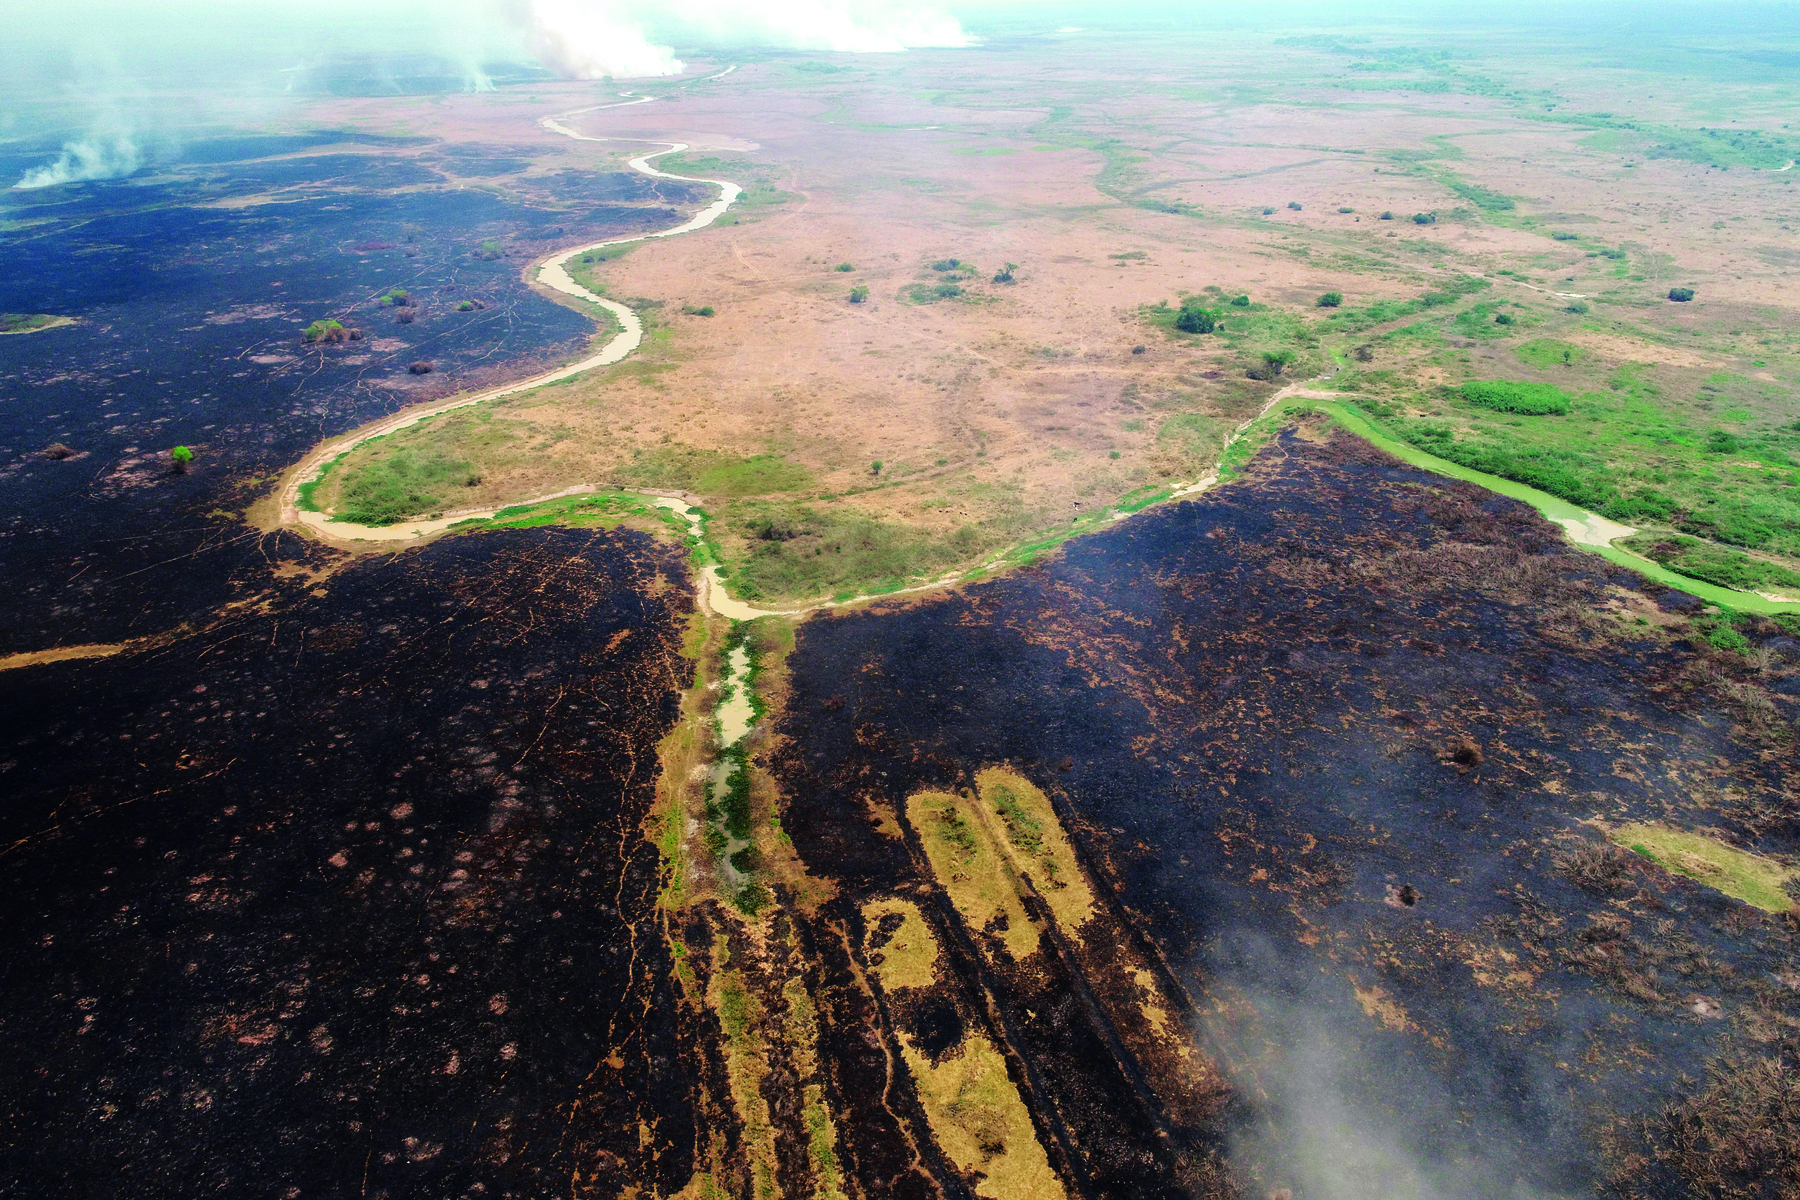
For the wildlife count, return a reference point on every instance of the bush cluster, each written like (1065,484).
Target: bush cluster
(1530,399)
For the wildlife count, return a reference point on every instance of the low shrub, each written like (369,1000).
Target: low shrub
(1331,300)
(1681,295)
(1529,399)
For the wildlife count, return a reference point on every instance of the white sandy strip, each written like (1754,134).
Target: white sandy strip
(1595,531)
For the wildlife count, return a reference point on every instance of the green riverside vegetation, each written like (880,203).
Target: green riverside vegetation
(1714,564)
(1628,452)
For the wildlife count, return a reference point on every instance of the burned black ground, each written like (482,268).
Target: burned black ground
(353,898)
(190,314)
(1265,713)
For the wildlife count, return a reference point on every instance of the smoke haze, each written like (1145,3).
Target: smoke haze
(100,156)
(593,39)
(1345,1109)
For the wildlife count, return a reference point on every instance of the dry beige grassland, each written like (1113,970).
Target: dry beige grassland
(1003,413)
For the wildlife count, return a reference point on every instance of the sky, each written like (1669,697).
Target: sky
(101,77)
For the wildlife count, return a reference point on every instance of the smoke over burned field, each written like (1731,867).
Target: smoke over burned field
(1334,745)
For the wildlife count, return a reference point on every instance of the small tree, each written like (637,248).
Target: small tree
(1268,212)
(1424,218)
(1386,216)
(875,467)
(1194,320)
(1294,204)
(1240,302)
(1331,299)
(1681,295)
(1006,273)
(858,294)
(179,458)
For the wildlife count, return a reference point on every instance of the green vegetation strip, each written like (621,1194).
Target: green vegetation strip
(1715,564)
(1551,507)
(1738,873)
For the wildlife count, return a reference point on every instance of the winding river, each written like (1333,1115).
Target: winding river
(552,273)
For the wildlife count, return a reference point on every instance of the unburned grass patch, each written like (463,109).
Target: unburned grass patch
(972,869)
(1038,845)
(899,944)
(1738,873)
(980,1122)
(788,550)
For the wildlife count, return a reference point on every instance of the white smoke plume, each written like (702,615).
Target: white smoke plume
(588,39)
(593,39)
(844,26)
(110,155)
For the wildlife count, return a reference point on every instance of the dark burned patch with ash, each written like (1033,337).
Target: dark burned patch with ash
(1329,742)
(354,898)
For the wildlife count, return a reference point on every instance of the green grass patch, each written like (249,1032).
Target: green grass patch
(1483,198)
(398,482)
(1755,880)
(1380,312)
(1549,352)
(758,475)
(792,551)
(931,293)
(1715,564)
(25,322)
